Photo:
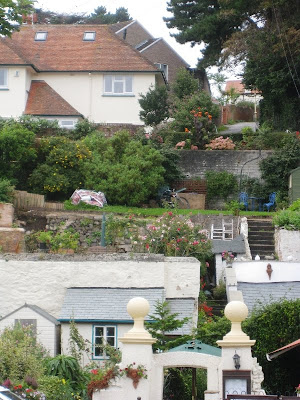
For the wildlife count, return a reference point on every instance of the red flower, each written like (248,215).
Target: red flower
(147,246)
(94,371)
(170,213)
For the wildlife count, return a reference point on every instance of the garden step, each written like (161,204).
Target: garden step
(261,238)
(265,235)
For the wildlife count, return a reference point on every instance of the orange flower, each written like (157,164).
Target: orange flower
(206,113)
(209,116)
(186,130)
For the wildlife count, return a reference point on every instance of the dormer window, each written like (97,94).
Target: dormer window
(89,36)
(40,36)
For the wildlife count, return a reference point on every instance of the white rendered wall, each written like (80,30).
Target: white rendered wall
(45,329)
(287,245)
(13,100)
(84,92)
(255,271)
(44,283)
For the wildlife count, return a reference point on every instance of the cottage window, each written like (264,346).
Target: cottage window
(40,36)
(27,322)
(89,36)
(3,78)
(164,68)
(118,85)
(103,334)
(67,124)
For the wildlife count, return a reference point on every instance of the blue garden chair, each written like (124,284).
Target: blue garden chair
(243,198)
(271,202)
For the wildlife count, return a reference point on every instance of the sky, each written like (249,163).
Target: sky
(149,13)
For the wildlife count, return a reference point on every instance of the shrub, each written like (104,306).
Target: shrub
(56,388)
(220,184)
(21,354)
(125,170)
(288,219)
(6,191)
(18,153)
(185,84)
(154,104)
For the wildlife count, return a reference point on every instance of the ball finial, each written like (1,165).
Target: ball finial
(236,311)
(138,307)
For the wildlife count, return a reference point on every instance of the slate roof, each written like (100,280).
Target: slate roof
(109,305)
(237,245)
(265,293)
(36,309)
(65,50)
(43,100)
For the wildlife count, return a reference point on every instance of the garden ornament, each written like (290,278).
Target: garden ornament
(269,270)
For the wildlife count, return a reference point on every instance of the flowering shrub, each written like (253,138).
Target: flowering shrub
(134,372)
(175,235)
(227,256)
(28,393)
(220,143)
(100,379)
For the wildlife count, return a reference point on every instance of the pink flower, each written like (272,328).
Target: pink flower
(195,242)
(170,213)
(147,246)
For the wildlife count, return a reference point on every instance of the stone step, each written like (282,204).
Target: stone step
(265,248)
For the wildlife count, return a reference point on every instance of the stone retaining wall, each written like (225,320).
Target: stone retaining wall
(194,164)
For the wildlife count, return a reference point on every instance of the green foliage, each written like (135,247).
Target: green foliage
(245,104)
(40,126)
(154,104)
(288,219)
(65,367)
(220,184)
(274,326)
(60,169)
(83,128)
(125,170)
(21,354)
(234,207)
(77,344)
(185,84)
(163,322)
(276,168)
(215,329)
(295,206)
(18,153)
(219,292)
(56,388)
(254,187)
(11,14)
(67,239)
(6,191)
(178,383)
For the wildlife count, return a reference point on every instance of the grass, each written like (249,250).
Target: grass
(156,212)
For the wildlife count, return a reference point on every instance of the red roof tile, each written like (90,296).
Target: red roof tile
(9,56)
(237,85)
(43,100)
(65,50)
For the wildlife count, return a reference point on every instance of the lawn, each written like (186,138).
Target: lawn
(158,211)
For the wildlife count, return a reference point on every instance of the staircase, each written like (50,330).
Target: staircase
(261,238)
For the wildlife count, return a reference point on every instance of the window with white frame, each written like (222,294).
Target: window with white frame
(102,335)
(3,78)
(67,124)
(118,85)
(164,68)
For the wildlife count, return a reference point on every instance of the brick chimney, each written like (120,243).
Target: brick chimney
(30,19)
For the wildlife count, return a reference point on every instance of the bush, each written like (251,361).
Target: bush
(6,191)
(273,326)
(18,153)
(220,184)
(220,143)
(154,104)
(56,388)
(21,354)
(125,170)
(288,219)
(185,84)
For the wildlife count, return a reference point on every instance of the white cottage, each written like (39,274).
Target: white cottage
(44,325)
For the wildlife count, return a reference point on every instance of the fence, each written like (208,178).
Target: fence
(27,201)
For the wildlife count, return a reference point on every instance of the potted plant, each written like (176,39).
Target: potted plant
(135,373)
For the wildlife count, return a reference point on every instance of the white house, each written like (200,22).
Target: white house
(67,72)
(94,294)
(44,325)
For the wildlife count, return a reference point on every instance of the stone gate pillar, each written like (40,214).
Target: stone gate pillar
(137,348)
(239,371)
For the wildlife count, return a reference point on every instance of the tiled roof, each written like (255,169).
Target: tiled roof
(105,304)
(43,100)
(65,50)
(109,304)
(8,55)
(265,293)
(237,85)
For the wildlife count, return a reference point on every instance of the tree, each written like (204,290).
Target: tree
(263,35)
(11,12)
(155,106)
(185,84)
(164,323)
(276,168)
